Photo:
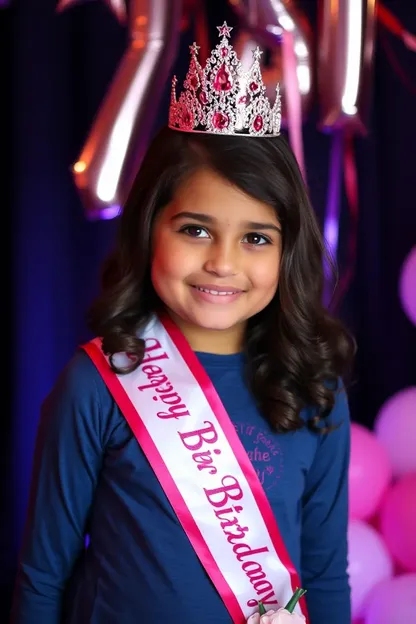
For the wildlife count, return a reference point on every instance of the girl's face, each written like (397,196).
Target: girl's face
(216,258)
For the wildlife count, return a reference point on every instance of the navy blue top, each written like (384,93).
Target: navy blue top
(91,477)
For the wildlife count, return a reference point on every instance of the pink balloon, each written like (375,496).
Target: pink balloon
(393,601)
(398,522)
(395,429)
(369,563)
(369,473)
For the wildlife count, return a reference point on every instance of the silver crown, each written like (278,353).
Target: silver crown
(222,98)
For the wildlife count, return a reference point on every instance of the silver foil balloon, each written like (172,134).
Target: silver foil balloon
(120,133)
(345,63)
(118,7)
(264,22)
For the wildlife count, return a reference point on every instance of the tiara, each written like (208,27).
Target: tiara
(222,98)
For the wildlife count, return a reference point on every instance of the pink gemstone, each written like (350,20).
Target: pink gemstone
(194,82)
(203,98)
(220,121)
(242,99)
(186,118)
(224,52)
(223,80)
(258,123)
(254,86)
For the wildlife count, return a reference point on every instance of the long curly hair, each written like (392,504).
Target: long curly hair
(296,351)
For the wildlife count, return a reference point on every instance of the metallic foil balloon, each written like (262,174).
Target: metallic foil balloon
(345,63)
(265,22)
(118,7)
(120,133)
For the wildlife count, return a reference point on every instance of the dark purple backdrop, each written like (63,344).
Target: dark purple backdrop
(60,67)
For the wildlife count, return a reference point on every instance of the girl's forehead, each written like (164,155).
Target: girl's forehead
(206,192)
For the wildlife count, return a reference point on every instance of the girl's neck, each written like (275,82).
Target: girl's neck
(221,342)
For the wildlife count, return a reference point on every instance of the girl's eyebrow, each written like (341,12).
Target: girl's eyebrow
(204,218)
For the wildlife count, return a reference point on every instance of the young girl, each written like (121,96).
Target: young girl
(202,442)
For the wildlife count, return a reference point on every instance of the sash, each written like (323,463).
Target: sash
(190,442)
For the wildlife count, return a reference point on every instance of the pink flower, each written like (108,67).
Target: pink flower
(281,616)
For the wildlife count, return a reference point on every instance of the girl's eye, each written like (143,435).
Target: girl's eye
(256,239)
(195,231)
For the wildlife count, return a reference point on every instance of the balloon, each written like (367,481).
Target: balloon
(393,601)
(264,22)
(119,136)
(398,521)
(345,63)
(271,22)
(118,7)
(407,286)
(369,473)
(369,563)
(395,429)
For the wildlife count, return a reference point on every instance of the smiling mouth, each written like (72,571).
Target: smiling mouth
(219,292)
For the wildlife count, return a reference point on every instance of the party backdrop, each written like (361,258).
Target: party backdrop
(62,65)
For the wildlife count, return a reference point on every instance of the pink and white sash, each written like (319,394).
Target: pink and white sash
(181,425)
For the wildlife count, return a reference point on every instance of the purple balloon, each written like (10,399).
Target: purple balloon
(395,429)
(407,286)
(369,473)
(369,563)
(393,601)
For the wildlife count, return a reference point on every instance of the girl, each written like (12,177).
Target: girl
(202,443)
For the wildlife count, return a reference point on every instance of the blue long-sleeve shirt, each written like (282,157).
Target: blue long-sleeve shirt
(91,477)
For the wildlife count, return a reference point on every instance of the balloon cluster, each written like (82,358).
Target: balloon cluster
(382,485)
(121,129)
(382,526)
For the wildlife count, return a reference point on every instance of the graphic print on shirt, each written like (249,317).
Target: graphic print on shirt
(264,453)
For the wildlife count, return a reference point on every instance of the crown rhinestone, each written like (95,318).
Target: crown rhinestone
(221,98)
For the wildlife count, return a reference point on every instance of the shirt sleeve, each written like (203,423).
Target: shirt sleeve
(325,523)
(67,461)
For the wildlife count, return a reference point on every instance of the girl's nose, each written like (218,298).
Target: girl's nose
(222,260)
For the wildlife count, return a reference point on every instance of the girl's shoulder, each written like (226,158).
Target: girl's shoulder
(340,413)
(80,379)
(80,398)
(337,422)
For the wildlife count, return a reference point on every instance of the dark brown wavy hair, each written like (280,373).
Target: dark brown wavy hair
(296,351)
